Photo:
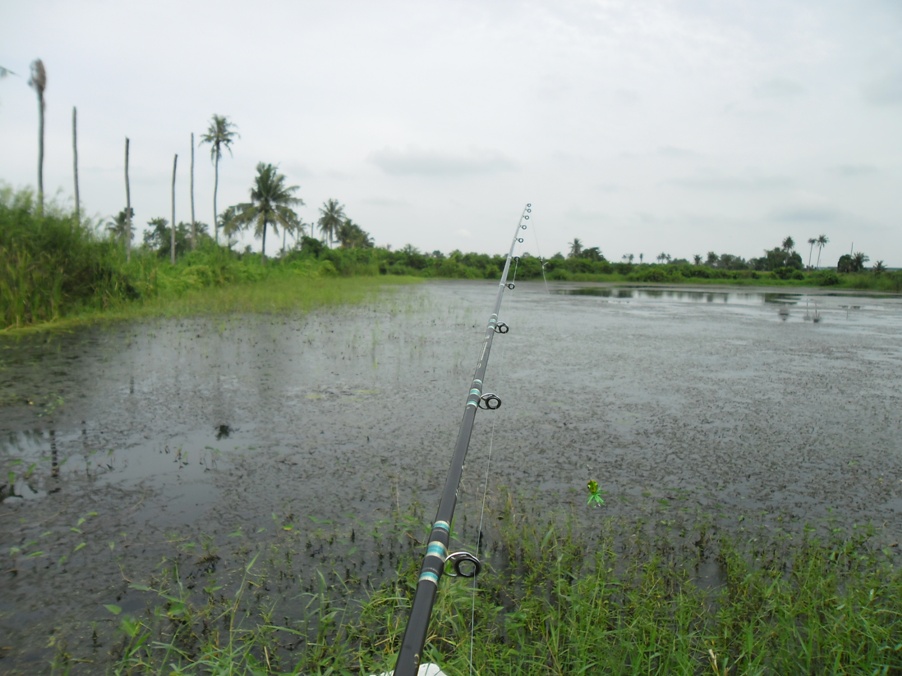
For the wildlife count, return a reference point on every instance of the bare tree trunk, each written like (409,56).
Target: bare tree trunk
(215,190)
(193,222)
(128,209)
(172,241)
(38,81)
(41,152)
(75,163)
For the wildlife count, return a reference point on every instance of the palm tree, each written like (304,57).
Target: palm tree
(822,241)
(812,241)
(788,244)
(332,216)
(219,135)
(38,82)
(119,228)
(230,223)
(296,231)
(352,236)
(858,261)
(271,203)
(576,247)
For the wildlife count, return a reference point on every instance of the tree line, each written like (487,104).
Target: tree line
(782,260)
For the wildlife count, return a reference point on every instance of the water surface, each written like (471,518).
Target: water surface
(127,441)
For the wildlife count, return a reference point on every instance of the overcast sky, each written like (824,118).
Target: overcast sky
(636,126)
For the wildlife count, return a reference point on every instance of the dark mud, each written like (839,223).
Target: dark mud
(207,441)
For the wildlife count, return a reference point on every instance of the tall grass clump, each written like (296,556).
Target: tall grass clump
(50,265)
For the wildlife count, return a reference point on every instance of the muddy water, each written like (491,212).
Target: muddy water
(123,446)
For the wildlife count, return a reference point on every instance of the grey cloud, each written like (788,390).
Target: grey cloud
(778,88)
(384,202)
(606,187)
(417,162)
(804,214)
(886,91)
(676,153)
(855,170)
(583,216)
(627,97)
(736,183)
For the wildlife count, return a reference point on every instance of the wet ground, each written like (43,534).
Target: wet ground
(125,445)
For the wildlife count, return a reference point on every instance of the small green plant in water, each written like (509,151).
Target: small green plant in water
(594,494)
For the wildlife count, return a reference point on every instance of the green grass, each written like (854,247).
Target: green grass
(554,599)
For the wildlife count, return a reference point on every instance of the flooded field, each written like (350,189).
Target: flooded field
(206,441)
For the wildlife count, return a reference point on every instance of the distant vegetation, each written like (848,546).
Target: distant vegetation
(54,265)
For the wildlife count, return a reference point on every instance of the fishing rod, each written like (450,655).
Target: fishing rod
(464,564)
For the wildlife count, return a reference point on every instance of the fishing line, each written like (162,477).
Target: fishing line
(438,561)
(485,491)
(535,234)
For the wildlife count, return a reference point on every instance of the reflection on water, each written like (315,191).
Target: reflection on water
(684,295)
(787,306)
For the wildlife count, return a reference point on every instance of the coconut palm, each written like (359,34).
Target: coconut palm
(576,247)
(220,134)
(38,82)
(296,231)
(332,215)
(788,244)
(812,241)
(352,236)
(119,228)
(822,241)
(858,261)
(230,224)
(271,204)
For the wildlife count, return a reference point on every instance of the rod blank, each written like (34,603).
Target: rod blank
(433,566)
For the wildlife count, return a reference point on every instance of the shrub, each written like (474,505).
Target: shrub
(827,278)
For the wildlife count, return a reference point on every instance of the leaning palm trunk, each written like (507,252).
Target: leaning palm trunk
(193,221)
(41,159)
(128,209)
(39,82)
(75,164)
(175,161)
(216,190)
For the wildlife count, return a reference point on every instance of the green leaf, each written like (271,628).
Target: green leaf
(113,608)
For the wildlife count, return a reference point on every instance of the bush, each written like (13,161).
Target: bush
(827,278)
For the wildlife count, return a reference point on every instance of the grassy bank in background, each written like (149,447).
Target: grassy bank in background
(57,271)
(554,599)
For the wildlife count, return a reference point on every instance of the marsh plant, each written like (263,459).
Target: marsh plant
(554,598)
